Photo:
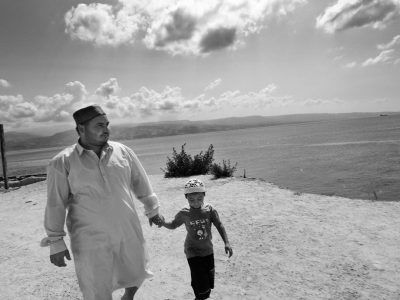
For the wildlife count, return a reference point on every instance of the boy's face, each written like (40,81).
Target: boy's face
(195,200)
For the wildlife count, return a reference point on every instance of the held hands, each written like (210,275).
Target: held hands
(158,220)
(58,258)
(228,249)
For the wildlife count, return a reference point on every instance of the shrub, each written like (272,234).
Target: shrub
(226,170)
(202,162)
(182,164)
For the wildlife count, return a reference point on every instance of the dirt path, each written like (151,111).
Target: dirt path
(286,246)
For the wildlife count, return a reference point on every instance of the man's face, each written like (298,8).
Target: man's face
(95,132)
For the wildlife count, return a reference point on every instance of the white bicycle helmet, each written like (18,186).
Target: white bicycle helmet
(194,186)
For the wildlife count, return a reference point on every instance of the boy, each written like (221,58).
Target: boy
(198,218)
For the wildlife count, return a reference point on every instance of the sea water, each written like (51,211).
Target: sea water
(354,158)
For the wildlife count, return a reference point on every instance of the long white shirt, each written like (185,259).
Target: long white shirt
(98,194)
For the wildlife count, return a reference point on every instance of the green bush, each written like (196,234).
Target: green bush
(226,170)
(182,164)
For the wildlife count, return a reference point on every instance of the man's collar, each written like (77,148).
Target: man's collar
(107,147)
(79,148)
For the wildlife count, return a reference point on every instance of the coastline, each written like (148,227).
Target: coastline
(286,245)
(351,159)
(17,181)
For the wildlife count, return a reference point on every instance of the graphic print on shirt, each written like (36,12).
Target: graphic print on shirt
(199,228)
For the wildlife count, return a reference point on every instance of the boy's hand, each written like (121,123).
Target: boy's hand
(58,258)
(228,249)
(158,220)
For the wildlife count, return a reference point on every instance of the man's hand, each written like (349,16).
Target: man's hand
(157,219)
(58,258)
(228,249)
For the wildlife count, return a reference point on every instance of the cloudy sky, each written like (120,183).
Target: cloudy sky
(148,60)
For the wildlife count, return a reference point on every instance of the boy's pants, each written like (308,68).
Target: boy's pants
(202,270)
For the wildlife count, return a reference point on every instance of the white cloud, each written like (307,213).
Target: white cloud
(199,27)
(147,103)
(350,65)
(319,102)
(143,105)
(395,41)
(386,54)
(338,57)
(4,83)
(77,90)
(346,14)
(213,84)
(44,108)
(23,110)
(4,117)
(101,24)
(383,57)
(237,100)
(380,101)
(175,26)
(59,108)
(269,89)
(16,107)
(52,108)
(8,101)
(108,88)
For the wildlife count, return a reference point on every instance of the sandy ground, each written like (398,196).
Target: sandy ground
(286,246)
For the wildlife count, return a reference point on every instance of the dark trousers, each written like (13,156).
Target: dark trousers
(202,270)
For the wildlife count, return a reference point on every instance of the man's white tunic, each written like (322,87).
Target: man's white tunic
(96,196)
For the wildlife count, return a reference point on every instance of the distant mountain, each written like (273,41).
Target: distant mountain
(14,140)
(19,136)
(18,140)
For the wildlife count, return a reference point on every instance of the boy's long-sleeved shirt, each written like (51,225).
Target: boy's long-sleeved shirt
(98,194)
(198,222)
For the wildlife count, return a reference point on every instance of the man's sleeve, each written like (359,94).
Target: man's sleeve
(57,197)
(142,188)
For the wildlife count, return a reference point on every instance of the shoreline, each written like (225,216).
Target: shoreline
(18,181)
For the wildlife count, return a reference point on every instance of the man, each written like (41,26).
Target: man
(96,181)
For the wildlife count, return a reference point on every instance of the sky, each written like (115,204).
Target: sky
(148,60)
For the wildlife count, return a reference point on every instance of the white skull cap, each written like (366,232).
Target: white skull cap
(194,186)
